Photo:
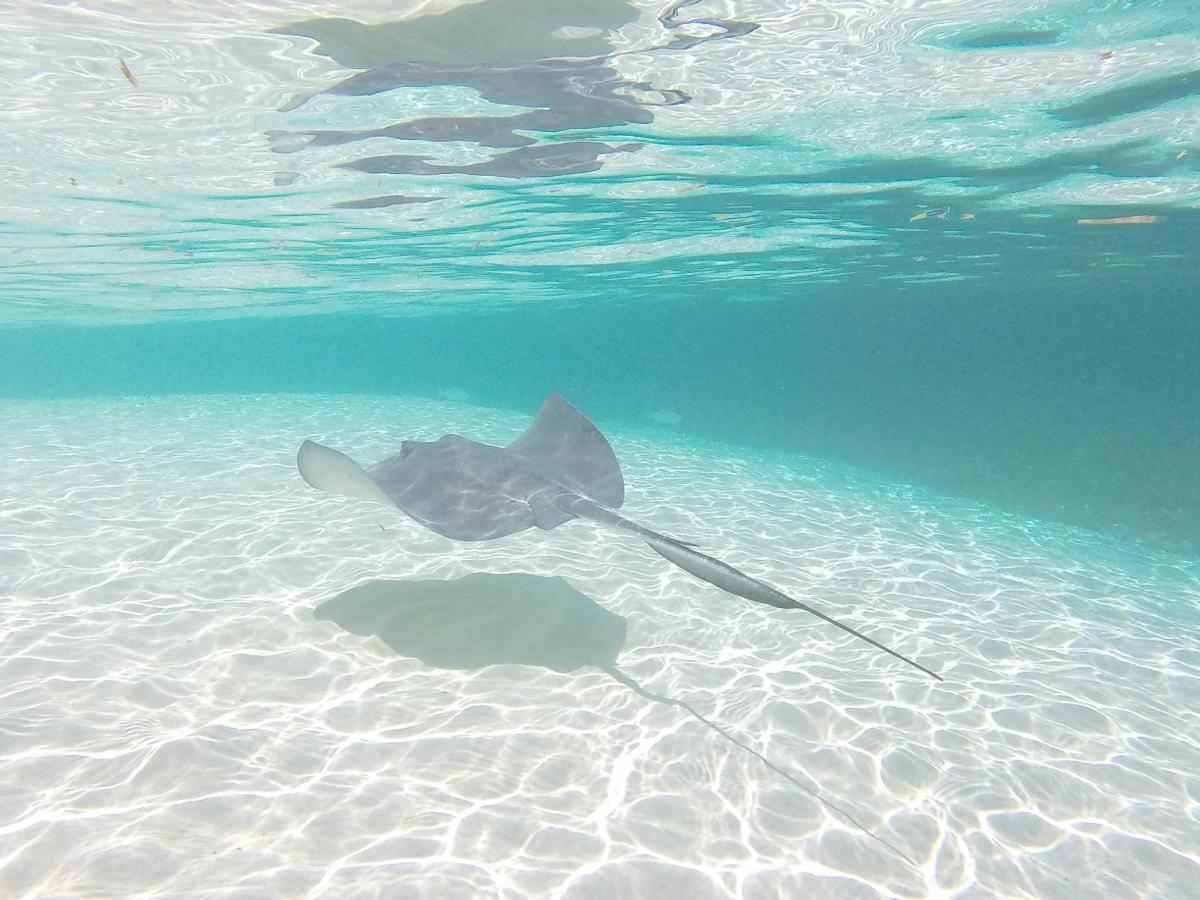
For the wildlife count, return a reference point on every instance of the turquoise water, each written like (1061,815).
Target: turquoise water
(896,302)
(1078,406)
(855,235)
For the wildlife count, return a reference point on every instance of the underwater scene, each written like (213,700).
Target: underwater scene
(620,449)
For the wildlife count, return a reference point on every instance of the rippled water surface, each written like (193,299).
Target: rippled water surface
(249,159)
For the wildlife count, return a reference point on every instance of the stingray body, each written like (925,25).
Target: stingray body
(560,468)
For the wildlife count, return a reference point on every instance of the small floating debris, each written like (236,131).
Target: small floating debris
(719,217)
(651,190)
(125,71)
(968,216)
(1123,220)
(1107,54)
(940,213)
(1181,154)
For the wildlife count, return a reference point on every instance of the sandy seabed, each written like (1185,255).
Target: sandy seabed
(217,682)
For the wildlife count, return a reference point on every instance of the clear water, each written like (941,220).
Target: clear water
(892,305)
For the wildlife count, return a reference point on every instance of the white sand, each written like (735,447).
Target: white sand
(175,722)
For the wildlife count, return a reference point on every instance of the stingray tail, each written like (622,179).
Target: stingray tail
(719,574)
(738,583)
(594,512)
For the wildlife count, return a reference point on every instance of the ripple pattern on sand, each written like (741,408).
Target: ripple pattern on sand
(175,722)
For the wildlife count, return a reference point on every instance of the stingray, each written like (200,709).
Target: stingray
(559,469)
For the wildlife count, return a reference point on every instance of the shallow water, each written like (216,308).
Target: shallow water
(889,305)
(198,700)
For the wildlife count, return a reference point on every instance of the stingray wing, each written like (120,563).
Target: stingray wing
(562,446)
(331,470)
(468,491)
(452,486)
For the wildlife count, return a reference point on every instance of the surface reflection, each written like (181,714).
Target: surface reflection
(560,70)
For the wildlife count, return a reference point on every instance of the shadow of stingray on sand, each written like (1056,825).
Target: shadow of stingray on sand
(484,620)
